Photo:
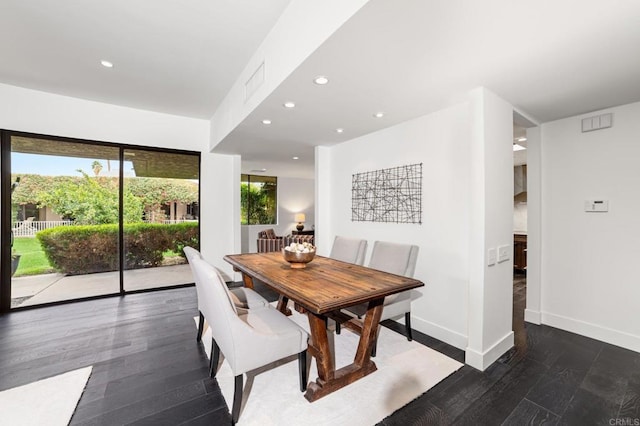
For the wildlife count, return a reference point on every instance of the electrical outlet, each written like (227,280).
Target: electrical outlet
(503,253)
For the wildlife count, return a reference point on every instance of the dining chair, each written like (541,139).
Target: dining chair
(350,250)
(248,339)
(399,259)
(242,297)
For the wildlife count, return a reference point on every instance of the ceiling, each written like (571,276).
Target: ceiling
(176,57)
(551,59)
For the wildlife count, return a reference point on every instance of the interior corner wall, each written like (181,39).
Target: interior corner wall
(49,114)
(294,196)
(440,142)
(589,283)
(220,206)
(491,226)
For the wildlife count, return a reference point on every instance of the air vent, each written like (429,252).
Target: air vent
(597,122)
(254,82)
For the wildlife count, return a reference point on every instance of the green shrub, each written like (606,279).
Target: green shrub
(86,249)
(183,234)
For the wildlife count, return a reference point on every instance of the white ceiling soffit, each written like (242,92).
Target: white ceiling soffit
(549,58)
(169,56)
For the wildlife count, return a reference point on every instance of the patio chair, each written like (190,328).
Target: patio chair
(242,297)
(250,339)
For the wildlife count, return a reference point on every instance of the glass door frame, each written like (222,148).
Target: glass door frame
(5,213)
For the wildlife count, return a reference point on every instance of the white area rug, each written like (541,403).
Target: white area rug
(49,401)
(405,371)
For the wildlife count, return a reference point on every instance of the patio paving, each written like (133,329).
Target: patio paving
(47,288)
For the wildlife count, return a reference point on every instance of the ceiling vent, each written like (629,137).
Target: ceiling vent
(597,122)
(254,82)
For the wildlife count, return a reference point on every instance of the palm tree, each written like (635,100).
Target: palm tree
(97,167)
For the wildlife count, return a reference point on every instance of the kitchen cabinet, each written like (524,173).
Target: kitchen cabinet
(520,252)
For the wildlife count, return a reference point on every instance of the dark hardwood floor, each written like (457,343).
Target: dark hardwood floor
(148,369)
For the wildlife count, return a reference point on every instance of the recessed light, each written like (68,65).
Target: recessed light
(522,139)
(517,147)
(321,80)
(266,121)
(289,105)
(296,158)
(106,64)
(378,114)
(257,170)
(339,130)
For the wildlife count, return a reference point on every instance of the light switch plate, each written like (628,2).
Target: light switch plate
(491,258)
(503,253)
(596,205)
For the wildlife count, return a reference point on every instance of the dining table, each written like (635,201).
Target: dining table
(321,290)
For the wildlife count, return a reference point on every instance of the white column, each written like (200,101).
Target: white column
(490,302)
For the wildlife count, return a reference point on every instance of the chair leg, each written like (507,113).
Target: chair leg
(337,327)
(302,368)
(237,399)
(215,358)
(407,325)
(200,327)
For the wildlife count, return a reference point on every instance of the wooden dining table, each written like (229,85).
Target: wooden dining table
(321,290)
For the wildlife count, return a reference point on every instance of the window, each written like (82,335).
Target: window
(258,200)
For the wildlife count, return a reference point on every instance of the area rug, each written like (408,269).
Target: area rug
(49,401)
(405,371)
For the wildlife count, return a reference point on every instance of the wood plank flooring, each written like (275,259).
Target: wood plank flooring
(148,369)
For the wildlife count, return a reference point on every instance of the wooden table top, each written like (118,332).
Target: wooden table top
(325,285)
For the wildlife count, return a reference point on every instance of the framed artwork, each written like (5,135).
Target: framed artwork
(388,195)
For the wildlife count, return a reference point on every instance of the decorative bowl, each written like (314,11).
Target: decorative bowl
(298,260)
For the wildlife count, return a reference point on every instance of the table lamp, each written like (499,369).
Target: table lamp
(299,217)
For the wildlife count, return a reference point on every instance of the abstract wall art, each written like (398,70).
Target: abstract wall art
(388,195)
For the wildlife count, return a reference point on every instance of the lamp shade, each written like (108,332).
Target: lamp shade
(299,217)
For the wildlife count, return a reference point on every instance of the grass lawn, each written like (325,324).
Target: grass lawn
(32,260)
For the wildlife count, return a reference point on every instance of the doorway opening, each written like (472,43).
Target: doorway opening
(520,144)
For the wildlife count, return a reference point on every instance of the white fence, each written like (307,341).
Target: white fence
(28,228)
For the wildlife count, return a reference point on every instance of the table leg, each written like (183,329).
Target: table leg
(282,305)
(329,379)
(247,280)
(369,332)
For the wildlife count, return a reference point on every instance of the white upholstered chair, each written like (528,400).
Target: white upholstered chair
(351,250)
(242,297)
(249,339)
(399,259)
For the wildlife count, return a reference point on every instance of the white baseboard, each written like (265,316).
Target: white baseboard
(534,317)
(594,331)
(451,337)
(483,360)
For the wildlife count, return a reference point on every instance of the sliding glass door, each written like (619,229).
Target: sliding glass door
(64,220)
(163,189)
(84,219)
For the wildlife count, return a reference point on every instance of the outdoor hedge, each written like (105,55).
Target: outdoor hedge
(84,249)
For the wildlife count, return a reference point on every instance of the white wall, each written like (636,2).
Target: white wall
(440,142)
(294,196)
(589,272)
(39,112)
(491,225)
